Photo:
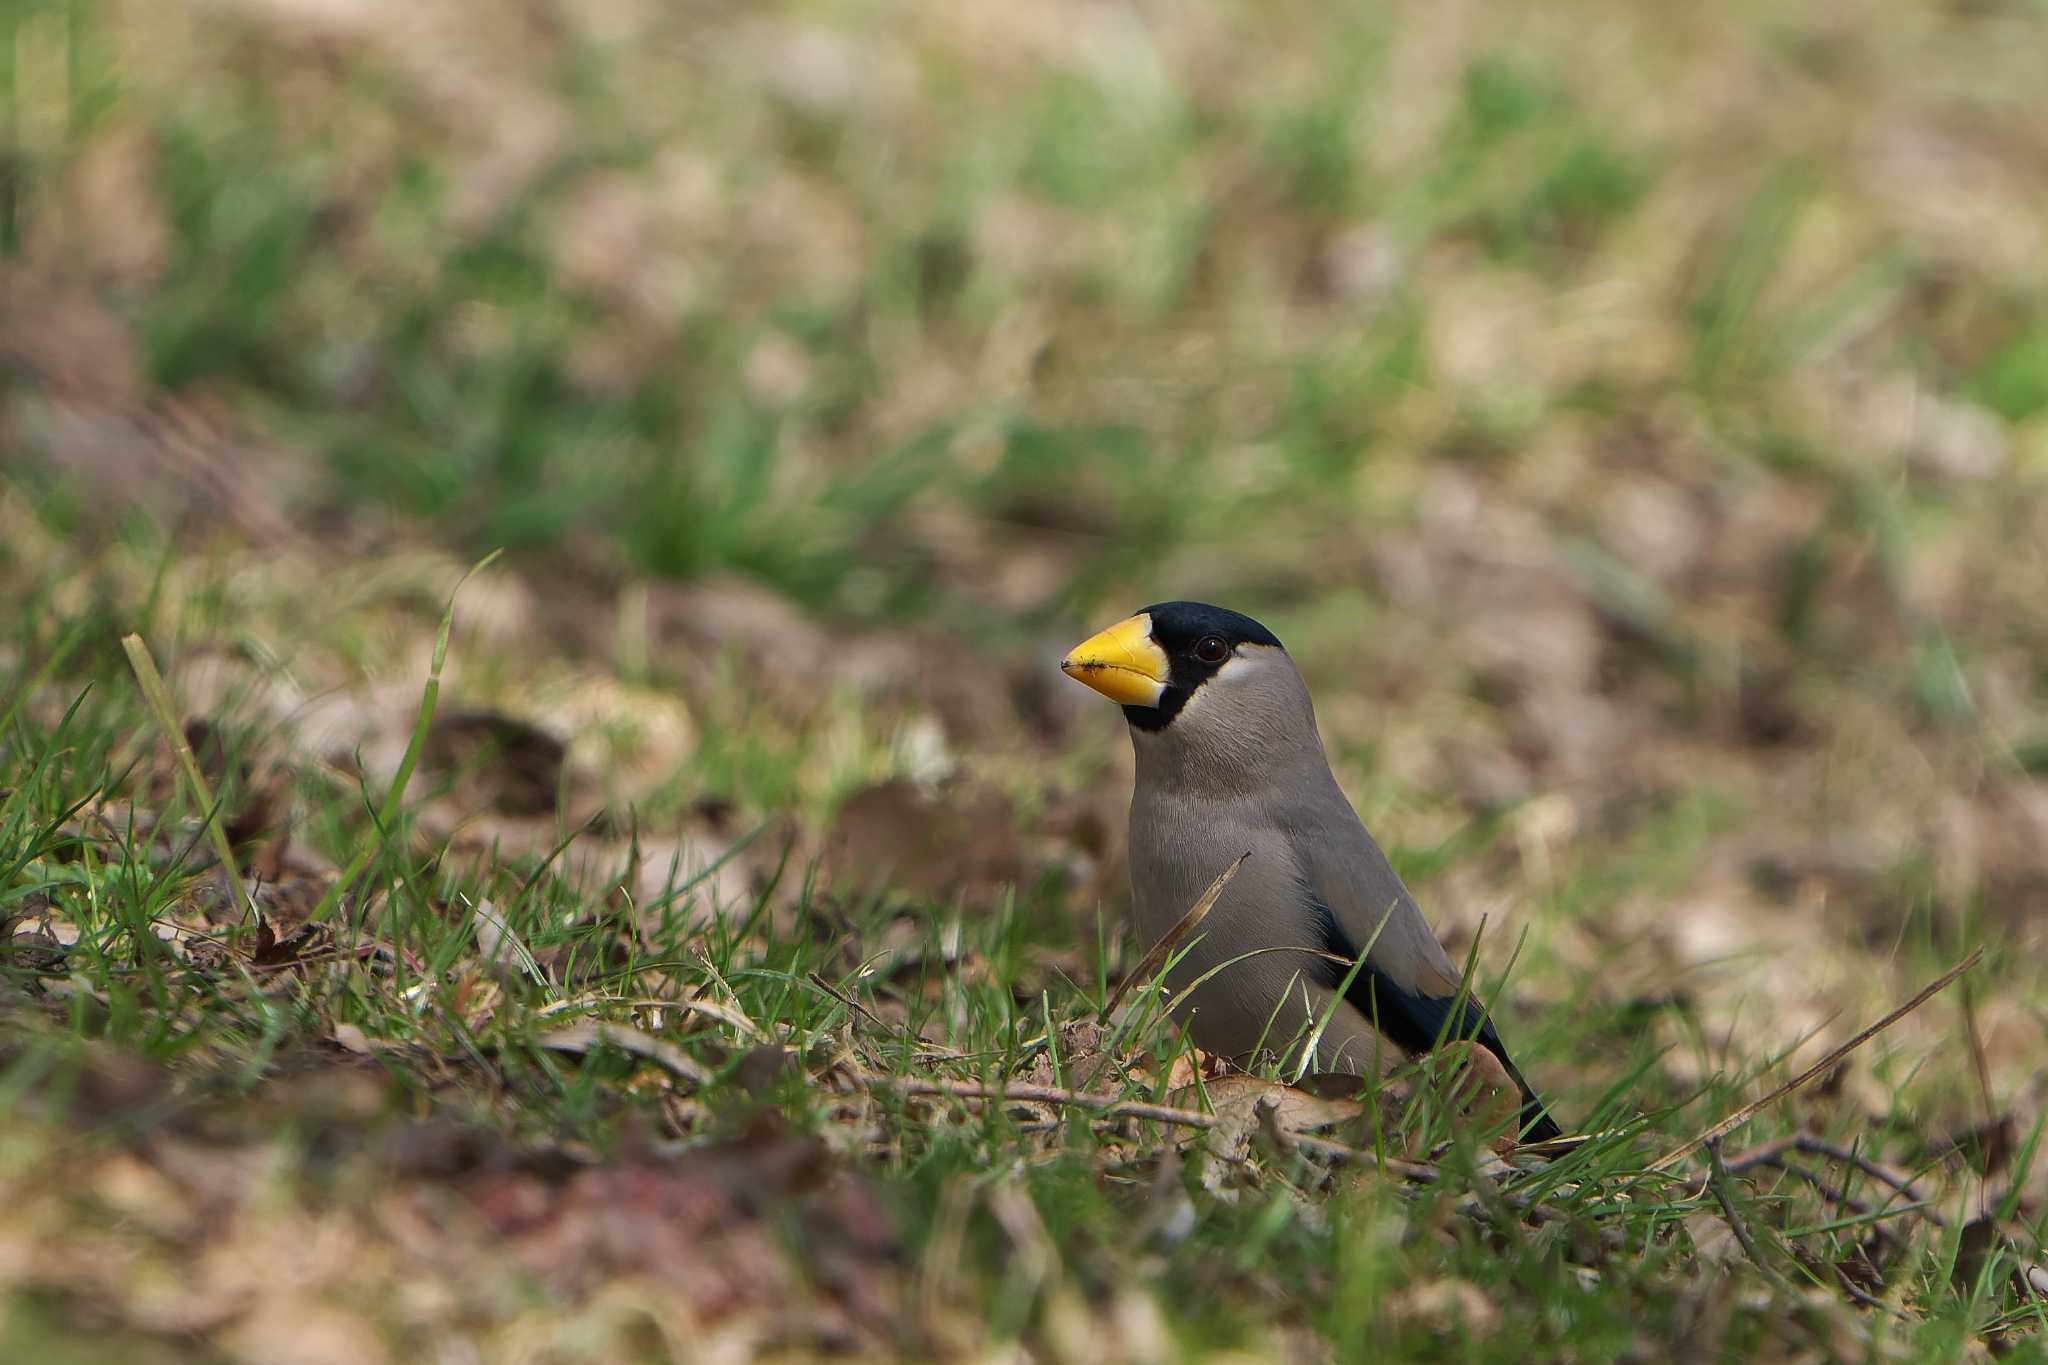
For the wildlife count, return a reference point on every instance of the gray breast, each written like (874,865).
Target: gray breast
(1260,945)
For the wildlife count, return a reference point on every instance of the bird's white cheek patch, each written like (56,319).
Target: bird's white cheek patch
(1192,707)
(1233,673)
(1229,675)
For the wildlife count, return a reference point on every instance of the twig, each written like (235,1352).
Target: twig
(1111,1106)
(1866,1299)
(903,1031)
(1773,1154)
(1187,924)
(1267,1111)
(1883,1175)
(1718,1182)
(1821,1067)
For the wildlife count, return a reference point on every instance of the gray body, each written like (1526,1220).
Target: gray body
(1242,769)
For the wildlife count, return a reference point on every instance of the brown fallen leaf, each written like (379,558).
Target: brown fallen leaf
(1234,1098)
(959,839)
(499,762)
(709,1223)
(300,1329)
(1082,1063)
(1486,1099)
(1714,1242)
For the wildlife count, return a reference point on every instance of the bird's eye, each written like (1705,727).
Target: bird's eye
(1212,649)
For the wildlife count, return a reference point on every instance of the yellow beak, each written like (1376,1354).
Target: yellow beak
(1121,663)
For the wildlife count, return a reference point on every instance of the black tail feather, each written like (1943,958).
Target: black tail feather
(1416,1022)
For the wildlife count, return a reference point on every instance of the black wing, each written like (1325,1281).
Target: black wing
(1418,1022)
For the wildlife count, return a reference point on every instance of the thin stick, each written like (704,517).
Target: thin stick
(1110,1105)
(1172,939)
(159,698)
(1113,1107)
(1977,1056)
(1821,1067)
(1883,1175)
(1718,1182)
(1773,1153)
(843,998)
(903,1031)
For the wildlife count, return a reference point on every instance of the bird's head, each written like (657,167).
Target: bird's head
(1179,658)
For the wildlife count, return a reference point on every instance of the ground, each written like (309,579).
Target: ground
(693,934)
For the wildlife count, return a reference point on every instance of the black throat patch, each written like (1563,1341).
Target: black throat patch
(1179,628)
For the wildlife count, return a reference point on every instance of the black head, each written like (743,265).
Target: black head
(1198,639)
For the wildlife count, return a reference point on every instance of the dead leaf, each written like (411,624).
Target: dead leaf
(1486,1099)
(499,762)
(1234,1098)
(115,208)
(706,1224)
(1083,1065)
(304,1331)
(960,839)
(1713,1240)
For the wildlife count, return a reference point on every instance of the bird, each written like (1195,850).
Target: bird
(1229,761)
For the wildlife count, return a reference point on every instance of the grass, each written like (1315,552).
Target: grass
(1635,430)
(1008,1222)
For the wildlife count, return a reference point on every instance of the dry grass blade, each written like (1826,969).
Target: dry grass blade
(159,698)
(1111,1106)
(590,1034)
(1173,937)
(1819,1068)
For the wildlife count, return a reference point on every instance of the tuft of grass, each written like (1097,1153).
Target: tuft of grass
(481,993)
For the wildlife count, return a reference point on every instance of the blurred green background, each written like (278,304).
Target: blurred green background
(1599,400)
(1560,383)
(1557,375)
(934,309)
